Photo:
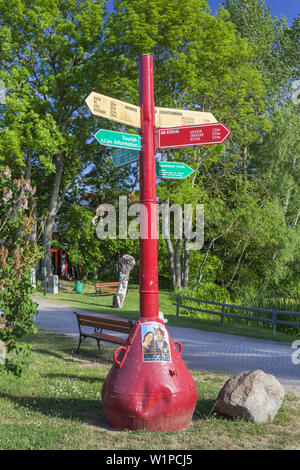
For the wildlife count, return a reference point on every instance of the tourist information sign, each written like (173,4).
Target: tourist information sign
(190,136)
(118,139)
(165,117)
(123,157)
(114,110)
(173,170)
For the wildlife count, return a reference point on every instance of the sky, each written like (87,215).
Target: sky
(288,8)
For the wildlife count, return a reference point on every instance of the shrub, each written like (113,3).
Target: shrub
(205,291)
(18,253)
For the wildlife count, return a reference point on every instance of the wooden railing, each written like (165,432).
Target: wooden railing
(273,320)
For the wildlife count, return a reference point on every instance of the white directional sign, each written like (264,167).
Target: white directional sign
(114,110)
(165,117)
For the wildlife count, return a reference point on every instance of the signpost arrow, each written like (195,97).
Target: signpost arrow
(114,110)
(118,139)
(190,136)
(130,115)
(123,157)
(173,170)
(165,117)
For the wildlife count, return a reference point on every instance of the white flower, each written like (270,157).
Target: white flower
(7,195)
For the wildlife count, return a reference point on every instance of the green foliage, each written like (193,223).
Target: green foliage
(271,39)
(86,251)
(18,253)
(205,291)
(238,64)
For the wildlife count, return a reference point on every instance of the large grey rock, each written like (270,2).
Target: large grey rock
(252,395)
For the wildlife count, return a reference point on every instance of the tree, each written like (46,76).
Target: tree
(274,158)
(50,55)
(271,38)
(199,63)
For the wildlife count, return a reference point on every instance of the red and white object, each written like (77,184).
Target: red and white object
(191,136)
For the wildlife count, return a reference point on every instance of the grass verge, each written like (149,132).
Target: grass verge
(56,404)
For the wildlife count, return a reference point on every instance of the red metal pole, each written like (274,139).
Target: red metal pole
(148,241)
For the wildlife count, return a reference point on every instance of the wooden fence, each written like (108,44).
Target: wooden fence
(272,320)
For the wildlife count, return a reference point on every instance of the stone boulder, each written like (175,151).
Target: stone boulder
(252,395)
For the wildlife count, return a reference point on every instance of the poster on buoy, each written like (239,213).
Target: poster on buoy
(155,343)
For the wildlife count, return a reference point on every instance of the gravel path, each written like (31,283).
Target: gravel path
(202,350)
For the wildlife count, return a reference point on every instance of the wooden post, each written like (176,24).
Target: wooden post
(274,315)
(223,311)
(177,306)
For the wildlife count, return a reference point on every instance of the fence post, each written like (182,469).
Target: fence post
(177,306)
(274,315)
(223,311)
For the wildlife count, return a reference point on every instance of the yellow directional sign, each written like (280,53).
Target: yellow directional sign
(165,117)
(114,110)
(129,114)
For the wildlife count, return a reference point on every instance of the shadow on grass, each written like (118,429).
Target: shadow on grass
(104,357)
(86,411)
(84,378)
(204,408)
(74,409)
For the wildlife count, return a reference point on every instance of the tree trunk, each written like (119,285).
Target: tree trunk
(228,285)
(185,264)
(126,265)
(166,232)
(54,205)
(245,162)
(171,262)
(177,263)
(200,273)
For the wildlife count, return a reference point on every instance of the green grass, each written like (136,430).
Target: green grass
(56,404)
(88,300)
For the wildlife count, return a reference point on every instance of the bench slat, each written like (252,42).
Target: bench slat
(97,319)
(106,326)
(104,337)
(105,284)
(108,290)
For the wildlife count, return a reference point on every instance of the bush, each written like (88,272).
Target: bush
(18,253)
(208,291)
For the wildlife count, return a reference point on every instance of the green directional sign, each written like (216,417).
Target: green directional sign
(118,139)
(173,170)
(123,157)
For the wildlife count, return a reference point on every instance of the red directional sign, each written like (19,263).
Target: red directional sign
(190,136)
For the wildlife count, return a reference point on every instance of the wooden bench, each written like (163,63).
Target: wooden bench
(99,324)
(101,287)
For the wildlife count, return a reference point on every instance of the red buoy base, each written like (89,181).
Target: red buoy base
(148,390)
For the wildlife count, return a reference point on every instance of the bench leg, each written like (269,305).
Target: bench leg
(80,341)
(98,344)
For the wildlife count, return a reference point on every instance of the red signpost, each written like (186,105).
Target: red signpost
(149,386)
(190,136)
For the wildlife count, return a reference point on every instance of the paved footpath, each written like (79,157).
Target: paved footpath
(202,350)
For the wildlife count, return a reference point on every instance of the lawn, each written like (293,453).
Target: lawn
(88,300)
(56,404)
